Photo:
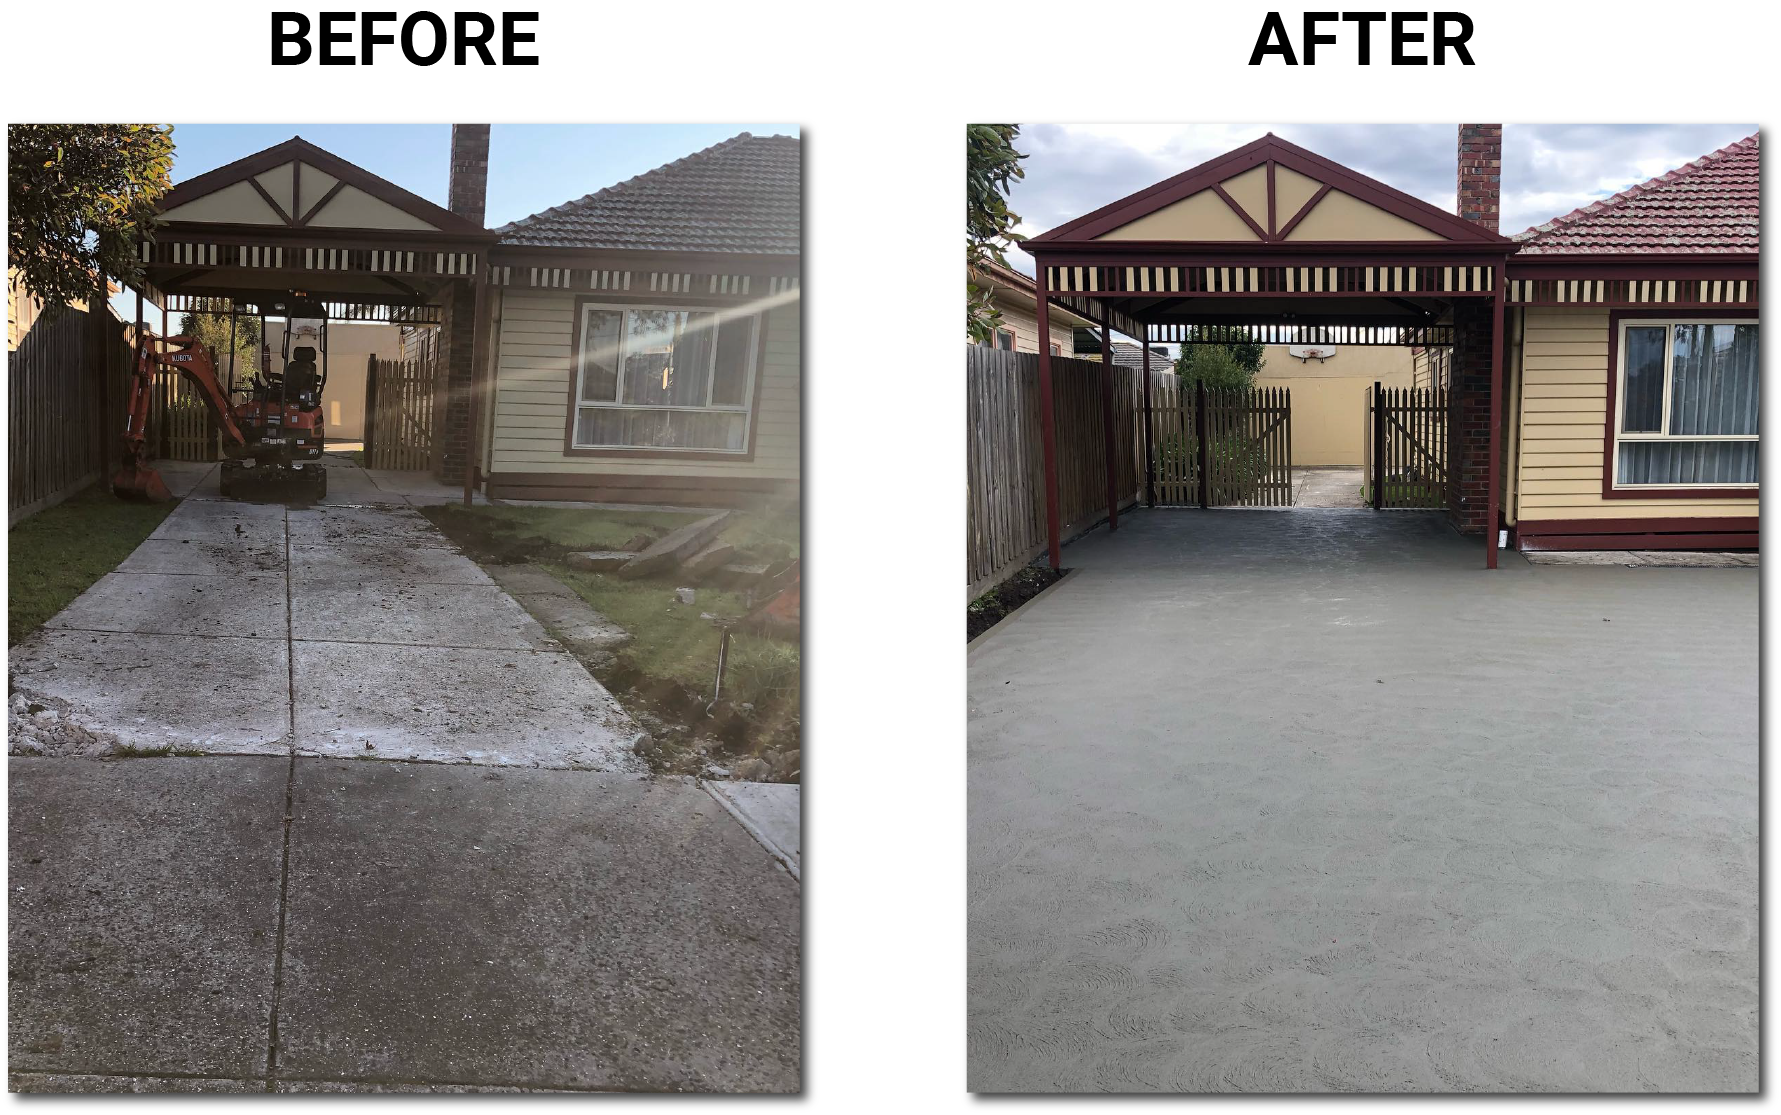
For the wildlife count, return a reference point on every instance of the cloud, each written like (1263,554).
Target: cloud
(1548,169)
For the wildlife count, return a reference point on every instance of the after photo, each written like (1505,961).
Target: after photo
(1362,608)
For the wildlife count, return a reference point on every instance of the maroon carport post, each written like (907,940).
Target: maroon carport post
(1107,420)
(1047,418)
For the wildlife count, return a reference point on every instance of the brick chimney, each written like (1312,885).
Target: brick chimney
(1481,173)
(468,189)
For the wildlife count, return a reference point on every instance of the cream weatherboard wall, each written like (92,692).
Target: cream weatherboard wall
(1024,320)
(532,386)
(1563,404)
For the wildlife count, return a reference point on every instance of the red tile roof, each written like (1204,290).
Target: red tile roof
(1708,207)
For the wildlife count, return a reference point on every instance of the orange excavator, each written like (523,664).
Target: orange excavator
(274,433)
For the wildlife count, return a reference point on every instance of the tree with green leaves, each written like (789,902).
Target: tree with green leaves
(213,330)
(991,166)
(79,197)
(1233,364)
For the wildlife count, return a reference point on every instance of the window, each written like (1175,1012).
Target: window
(1687,408)
(1057,349)
(664,377)
(1005,340)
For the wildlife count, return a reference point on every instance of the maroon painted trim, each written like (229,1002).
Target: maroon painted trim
(1304,211)
(1711,541)
(1624,265)
(296,147)
(1292,156)
(276,208)
(1109,456)
(1494,481)
(656,453)
(311,236)
(1276,253)
(1231,202)
(1675,524)
(320,205)
(1656,312)
(1273,221)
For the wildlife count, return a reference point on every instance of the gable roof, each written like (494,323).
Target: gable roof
(1334,179)
(344,195)
(741,195)
(1706,207)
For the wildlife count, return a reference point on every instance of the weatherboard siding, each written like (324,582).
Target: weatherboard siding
(1563,415)
(1024,320)
(532,388)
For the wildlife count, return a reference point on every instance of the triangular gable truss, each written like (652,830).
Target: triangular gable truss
(297,185)
(1270,193)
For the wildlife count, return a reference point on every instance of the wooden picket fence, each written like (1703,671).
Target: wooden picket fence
(1006,462)
(399,410)
(1223,447)
(65,407)
(1407,442)
(181,426)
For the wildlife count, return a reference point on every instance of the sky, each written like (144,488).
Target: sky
(1548,169)
(531,166)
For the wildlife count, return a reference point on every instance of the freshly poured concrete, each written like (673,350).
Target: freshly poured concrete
(771,811)
(359,624)
(1312,802)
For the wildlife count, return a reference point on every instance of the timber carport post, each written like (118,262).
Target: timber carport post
(1237,249)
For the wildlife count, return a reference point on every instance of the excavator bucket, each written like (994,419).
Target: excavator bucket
(137,481)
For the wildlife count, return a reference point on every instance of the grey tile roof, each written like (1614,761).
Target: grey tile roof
(741,195)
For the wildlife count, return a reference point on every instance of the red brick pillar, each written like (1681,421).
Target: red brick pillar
(1469,418)
(467,193)
(1481,173)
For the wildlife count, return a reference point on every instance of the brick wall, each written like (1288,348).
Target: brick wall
(1469,501)
(1481,173)
(467,192)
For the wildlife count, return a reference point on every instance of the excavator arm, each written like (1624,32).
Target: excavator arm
(187,355)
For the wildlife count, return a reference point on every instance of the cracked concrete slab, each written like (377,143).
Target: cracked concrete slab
(414,613)
(250,607)
(380,526)
(556,606)
(494,707)
(534,928)
(78,692)
(143,914)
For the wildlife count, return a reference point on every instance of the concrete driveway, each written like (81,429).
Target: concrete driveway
(1312,802)
(349,628)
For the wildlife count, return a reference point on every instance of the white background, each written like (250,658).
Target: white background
(881,93)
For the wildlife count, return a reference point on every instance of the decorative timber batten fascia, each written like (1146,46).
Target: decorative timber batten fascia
(1444,279)
(1633,280)
(337,309)
(659,279)
(212,252)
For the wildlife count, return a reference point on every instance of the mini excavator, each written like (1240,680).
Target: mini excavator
(272,434)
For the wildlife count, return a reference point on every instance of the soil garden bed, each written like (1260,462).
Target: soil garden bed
(665,673)
(994,606)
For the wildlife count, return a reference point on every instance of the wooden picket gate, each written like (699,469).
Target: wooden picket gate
(181,426)
(399,411)
(1221,447)
(1407,447)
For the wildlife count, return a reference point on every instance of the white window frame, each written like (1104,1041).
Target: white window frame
(721,314)
(1668,325)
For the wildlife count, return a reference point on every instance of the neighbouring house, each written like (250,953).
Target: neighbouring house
(1633,377)
(1330,385)
(647,337)
(1012,293)
(1087,340)
(350,347)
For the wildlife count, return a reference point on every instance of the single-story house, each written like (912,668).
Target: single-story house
(1633,378)
(647,337)
(1012,293)
(1601,369)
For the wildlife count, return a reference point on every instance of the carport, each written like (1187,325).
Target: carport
(296,222)
(1273,243)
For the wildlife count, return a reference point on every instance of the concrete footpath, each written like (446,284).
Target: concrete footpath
(268,924)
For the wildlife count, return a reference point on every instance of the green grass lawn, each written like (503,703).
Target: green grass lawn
(57,553)
(671,646)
